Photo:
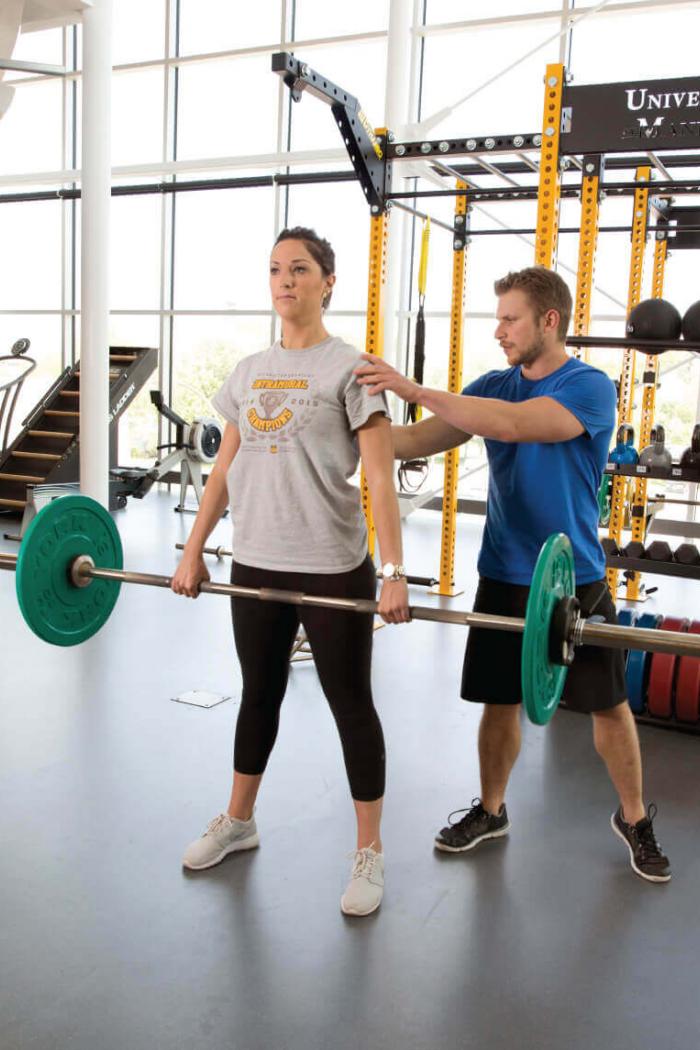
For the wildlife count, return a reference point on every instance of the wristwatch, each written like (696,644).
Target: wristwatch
(389,571)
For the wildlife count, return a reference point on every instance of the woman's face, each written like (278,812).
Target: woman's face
(297,282)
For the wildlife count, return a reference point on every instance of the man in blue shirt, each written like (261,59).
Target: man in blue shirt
(547,421)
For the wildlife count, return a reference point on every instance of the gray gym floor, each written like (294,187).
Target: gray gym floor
(544,940)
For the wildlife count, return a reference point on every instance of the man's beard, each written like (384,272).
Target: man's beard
(529,356)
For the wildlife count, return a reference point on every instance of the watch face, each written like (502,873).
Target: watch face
(388,570)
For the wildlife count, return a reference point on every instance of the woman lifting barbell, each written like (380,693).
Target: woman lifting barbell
(295,422)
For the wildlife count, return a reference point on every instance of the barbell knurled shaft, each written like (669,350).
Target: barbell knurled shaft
(358,605)
(220,551)
(611,636)
(608,636)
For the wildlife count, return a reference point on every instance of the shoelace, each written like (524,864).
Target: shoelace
(218,823)
(474,813)
(363,863)
(649,848)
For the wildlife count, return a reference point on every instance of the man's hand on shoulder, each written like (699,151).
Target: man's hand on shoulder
(378,376)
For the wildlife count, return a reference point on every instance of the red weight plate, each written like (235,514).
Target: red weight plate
(663,667)
(688,684)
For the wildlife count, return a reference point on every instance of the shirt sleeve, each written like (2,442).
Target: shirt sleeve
(476,387)
(590,396)
(360,404)
(226,401)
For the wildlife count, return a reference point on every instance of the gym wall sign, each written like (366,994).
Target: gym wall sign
(634,115)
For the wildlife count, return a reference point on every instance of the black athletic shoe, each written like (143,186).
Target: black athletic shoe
(475,826)
(646,855)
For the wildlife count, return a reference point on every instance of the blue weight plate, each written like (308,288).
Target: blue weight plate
(627,618)
(638,666)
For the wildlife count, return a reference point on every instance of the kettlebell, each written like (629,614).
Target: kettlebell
(624,451)
(691,456)
(656,454)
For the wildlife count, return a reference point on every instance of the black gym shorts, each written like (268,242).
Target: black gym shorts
(491,672)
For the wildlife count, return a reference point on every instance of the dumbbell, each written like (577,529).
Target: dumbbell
(656,454)
(659,550)
(610,547)
(691,456)
(687,554)
(634,549)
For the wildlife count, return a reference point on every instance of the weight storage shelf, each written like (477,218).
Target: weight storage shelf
(637,470)
(645,719)
(649,346)
(648,565)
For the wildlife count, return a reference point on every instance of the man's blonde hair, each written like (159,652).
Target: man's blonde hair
(545,290)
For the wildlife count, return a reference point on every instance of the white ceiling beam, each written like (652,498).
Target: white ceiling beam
(254,161)
(47,14)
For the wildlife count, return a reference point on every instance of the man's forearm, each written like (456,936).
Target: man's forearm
(426,438)
(404,440)
(484,417)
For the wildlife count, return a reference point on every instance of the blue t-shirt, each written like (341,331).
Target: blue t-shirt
(536,489)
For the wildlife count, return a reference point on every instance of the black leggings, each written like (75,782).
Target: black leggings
(341,643)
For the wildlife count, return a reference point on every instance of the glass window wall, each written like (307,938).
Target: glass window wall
(138,31)
(217,25)
(201,257)
(222,248)
(317,18)
(227,108)
(44,333)
(31,131)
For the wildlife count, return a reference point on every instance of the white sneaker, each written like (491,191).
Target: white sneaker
(224,835)
(364,892)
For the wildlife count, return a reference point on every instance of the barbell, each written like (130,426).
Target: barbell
(69,571)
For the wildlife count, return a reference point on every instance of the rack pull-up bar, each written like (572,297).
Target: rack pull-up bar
(423,215)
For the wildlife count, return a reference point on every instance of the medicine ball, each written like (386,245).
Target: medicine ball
(691,323)
(654,319)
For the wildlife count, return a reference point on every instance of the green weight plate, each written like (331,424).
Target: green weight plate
(553,578)
(53,607)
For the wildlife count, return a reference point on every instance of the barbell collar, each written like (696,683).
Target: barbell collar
(78,577)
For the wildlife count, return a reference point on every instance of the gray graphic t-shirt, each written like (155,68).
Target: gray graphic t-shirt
(292,504)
